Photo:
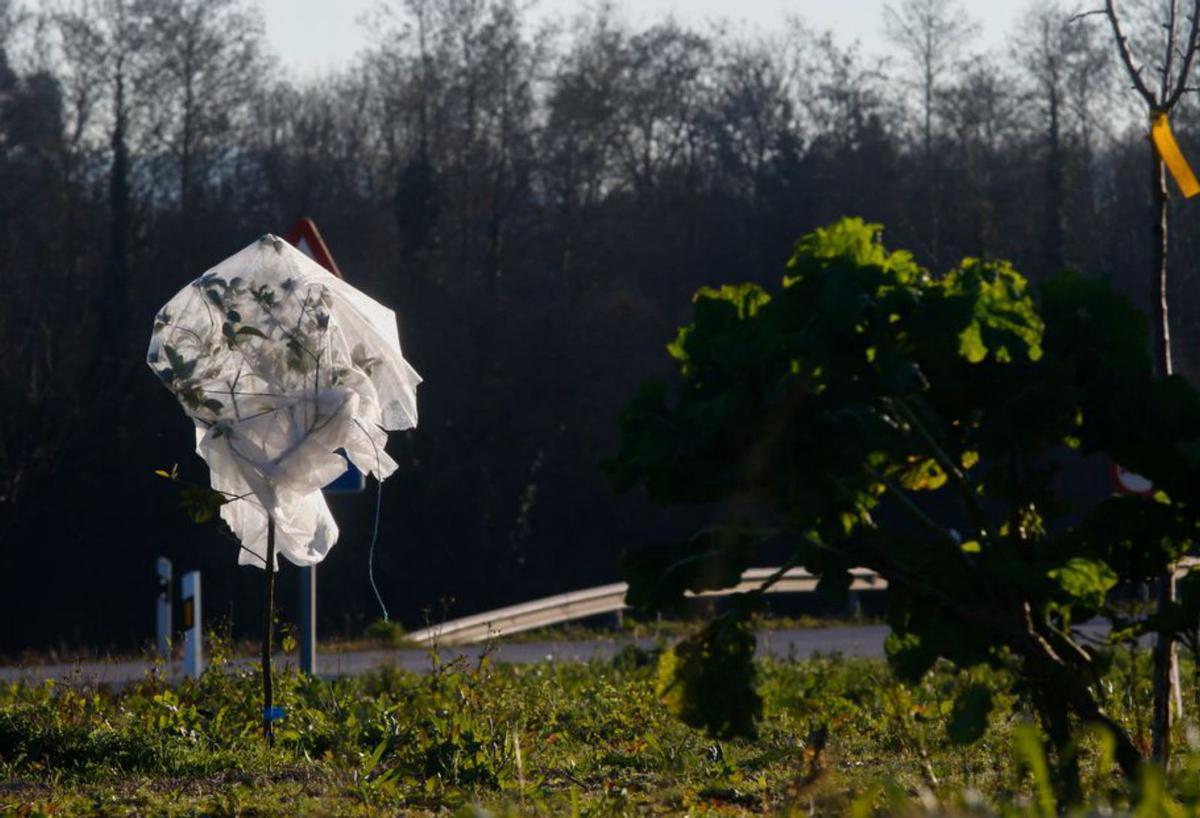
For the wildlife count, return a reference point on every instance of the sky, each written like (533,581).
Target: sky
(313,36)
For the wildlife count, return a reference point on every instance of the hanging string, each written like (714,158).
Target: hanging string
(375,532)
(371,552)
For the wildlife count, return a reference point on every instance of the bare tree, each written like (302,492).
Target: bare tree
(1065,70)
(207,64)
(1176,38)
(932,35)
(580,136)
(753,110)
(664,89)
(38,243)
(103,69)
(979,110)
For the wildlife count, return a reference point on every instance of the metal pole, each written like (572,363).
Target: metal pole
(268,691)
(162,618)
(193,644)
(853,605)
(308,619)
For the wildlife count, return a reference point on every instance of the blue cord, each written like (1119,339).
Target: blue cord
(375,533)
(374,537)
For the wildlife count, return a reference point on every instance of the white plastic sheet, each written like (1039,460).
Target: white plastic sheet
(280,364)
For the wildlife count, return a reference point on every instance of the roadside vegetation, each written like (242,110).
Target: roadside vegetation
(838,736)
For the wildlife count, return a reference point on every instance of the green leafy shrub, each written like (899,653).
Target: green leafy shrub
(388,633)
(870,413)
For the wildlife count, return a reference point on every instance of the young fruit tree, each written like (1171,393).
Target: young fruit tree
(280,365)
(869,413)
(1174,38)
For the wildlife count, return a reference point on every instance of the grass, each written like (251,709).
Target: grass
(839,737)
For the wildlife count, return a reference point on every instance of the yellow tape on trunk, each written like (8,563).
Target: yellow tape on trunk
(1168,149)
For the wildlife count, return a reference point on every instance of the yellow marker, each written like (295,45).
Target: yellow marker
(1168,149)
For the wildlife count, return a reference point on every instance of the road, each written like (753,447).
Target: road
(860,641)
(863,641)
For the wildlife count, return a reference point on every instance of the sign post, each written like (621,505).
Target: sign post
(307,239)
(162,619)
(193,645)
(308,619)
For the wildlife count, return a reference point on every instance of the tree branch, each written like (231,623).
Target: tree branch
(912,508)
(1135,73)
(1165,85)
(1189,55)
(974,510)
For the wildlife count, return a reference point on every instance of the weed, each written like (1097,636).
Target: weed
(838,736)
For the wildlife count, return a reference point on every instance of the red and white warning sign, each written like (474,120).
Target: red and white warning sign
(305,237)
(1128,482)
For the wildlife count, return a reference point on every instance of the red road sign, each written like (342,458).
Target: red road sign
(305,237)
(1127,482)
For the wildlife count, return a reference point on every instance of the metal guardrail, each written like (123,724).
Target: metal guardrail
(553,610)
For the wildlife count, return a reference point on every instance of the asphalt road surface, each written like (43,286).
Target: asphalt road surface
(860,641)
(863,641)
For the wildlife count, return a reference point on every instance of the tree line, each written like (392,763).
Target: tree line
(537,202)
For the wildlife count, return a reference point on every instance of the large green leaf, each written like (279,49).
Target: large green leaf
(909,655)
(182,369)
(969,715)
(1087,581)
(1003,319)
(707,680)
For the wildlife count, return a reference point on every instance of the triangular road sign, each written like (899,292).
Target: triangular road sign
(305,237)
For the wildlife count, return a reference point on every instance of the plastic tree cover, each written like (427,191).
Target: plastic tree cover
(279,363)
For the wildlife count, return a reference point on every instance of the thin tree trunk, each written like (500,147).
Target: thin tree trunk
(1166,655)
(1055,719)
(1053,250)
(112,375)
(268,693)
(1162,349)
(1166,677)
(118,248)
